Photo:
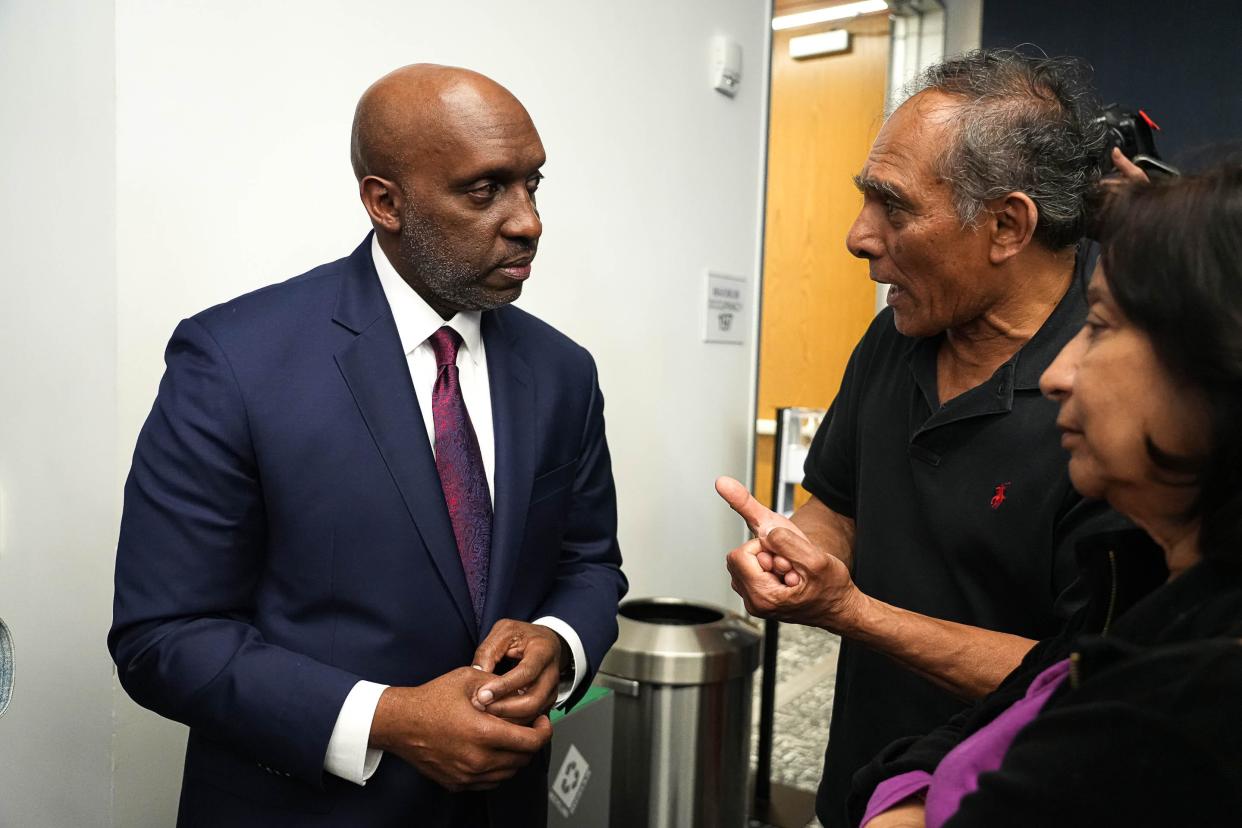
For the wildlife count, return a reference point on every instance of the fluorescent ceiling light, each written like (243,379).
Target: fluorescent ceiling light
(823,43)
(841,12)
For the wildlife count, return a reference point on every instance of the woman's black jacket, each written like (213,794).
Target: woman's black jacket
(1147,730)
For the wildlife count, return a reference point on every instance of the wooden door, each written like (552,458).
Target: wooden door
(817,298)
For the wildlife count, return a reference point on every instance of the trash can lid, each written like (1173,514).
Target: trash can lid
(671,641)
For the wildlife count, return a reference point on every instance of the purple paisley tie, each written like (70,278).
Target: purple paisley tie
(460,464)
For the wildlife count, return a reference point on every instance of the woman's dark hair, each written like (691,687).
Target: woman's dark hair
(1172,252)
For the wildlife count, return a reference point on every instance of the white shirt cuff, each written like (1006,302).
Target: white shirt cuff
(575,646)
(348,755)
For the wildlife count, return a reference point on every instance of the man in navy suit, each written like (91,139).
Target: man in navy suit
(364,493)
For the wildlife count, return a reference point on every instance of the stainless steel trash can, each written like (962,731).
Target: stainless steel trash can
(682,675)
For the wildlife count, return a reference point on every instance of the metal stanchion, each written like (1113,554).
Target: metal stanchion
(776,804)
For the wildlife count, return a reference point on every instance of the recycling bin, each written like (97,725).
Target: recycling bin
(681,673)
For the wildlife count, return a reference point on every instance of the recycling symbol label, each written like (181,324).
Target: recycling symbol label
(570,781)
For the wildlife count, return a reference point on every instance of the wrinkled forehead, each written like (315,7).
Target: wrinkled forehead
(912,139)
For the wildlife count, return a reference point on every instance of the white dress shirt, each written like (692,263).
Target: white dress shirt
(348,755)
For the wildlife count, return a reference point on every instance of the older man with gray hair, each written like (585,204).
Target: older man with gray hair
(939,539)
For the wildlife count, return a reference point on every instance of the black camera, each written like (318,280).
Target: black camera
(1131,130)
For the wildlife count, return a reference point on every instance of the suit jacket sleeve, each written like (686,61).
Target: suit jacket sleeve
(190,555)
(589,582)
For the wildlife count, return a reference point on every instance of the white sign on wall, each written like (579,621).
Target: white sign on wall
(726,318)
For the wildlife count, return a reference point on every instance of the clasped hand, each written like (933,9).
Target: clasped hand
(471,729)
(780,574)
(529,687)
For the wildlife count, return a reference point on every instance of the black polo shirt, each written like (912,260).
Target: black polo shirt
(963,512)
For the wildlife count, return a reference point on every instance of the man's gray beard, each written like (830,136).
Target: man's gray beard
(424,252)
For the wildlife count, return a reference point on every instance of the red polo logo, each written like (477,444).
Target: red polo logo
(999,497)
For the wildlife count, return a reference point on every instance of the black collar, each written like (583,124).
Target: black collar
(1020,373)
(1059,328)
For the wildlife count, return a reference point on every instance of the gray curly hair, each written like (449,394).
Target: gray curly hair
(1027,124)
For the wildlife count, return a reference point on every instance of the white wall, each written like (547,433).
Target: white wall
(58,452)
(163,156)
(963,25)
(233,124)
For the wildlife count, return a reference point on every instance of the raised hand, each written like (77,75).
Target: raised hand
(761,521)
(1127,171)
(822,593)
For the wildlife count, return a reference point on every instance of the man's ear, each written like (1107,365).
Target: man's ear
(1014,217)
(383,201)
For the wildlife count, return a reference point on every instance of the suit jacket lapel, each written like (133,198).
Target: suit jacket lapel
(378,376)
(513,422)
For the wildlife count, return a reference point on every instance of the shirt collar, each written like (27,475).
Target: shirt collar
(414,318)
(1059,328)
(1032,359)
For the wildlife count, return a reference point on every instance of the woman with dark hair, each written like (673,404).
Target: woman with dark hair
(1133,716)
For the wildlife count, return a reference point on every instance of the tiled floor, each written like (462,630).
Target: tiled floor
(805,678)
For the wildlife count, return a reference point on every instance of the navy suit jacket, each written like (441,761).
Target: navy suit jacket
(285,535)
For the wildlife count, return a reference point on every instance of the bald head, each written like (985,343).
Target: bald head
(448,163)
(420,110)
